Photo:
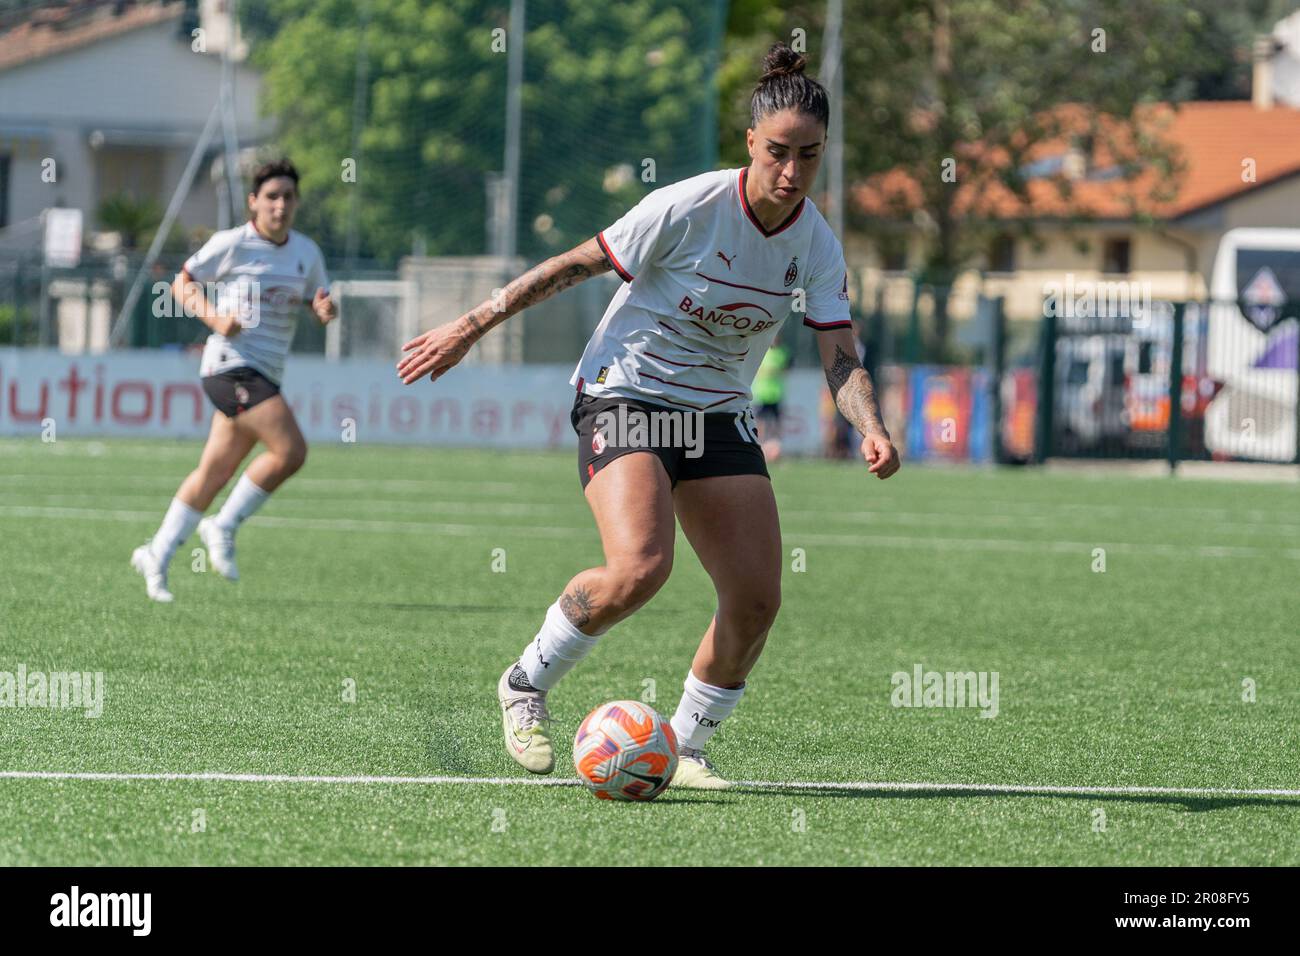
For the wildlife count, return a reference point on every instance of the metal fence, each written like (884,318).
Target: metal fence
(1177,381)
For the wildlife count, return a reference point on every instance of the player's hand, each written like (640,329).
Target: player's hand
(881,455)
(435,352)
(324,307)
(227,325)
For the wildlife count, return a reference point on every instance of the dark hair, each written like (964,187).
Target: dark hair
(278,167)
(783,86)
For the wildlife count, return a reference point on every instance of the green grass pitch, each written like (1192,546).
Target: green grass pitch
(376,566)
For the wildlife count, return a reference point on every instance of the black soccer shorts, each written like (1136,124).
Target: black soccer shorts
(238,390)
(689,444)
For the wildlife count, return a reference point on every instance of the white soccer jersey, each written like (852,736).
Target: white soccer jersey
(707,289)
(285,278)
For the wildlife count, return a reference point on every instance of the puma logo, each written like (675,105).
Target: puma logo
(725,259)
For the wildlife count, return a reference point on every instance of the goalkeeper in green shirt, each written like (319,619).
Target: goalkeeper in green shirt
(768,390)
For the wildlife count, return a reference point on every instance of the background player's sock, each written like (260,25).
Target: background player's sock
(702,708)
(555,650)
(178,524)
(243,501)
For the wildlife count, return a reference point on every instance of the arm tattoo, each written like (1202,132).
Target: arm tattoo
(840,370)
(577,607)
(538,284)
(855,393)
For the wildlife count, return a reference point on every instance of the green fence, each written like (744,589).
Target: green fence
(1173,380)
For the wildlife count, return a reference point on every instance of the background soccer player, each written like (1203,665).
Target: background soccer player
(768,390)
(713,266)
(264,274)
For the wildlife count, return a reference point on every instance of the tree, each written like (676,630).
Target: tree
(135,219)
(949,96)
(606,87)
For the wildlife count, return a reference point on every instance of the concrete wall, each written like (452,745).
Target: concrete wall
(144,90)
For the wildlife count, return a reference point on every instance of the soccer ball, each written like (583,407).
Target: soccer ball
(625,751)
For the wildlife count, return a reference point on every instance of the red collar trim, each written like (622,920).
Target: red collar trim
(261,235)
(744,204)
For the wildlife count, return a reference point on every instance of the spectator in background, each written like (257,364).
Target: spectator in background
(768,390)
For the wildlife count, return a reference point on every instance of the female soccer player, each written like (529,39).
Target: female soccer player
(264,274)
(713,266)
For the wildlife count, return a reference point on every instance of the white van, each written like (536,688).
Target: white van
(1253,344)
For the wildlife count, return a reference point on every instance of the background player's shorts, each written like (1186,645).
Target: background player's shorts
(770,416)
(726,441)
(238,389)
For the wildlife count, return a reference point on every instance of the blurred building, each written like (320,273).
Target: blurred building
(1240,166)
(115,94)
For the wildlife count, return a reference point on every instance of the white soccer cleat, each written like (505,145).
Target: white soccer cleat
(221,548)
(154,573)
(695,772)
(524,720)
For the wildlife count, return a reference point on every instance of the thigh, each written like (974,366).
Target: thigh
(272,423)
(732,524)
(632,501)
(227,445)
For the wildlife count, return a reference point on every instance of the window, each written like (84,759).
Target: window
(1115,256)
(1002,254)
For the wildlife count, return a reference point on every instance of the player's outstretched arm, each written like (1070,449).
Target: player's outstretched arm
(195,302)
(855,397)
(439,349)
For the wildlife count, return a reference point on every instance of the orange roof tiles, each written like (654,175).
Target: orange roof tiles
(1209,142)
(40,37)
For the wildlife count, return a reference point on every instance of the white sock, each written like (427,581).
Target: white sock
(243,501)
(177,525)
(555,650)
(702,708)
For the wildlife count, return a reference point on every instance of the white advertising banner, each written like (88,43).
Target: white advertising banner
(157,394)
(63,237)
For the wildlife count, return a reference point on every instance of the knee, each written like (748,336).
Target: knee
(294,457)
(753,614)
(637,580)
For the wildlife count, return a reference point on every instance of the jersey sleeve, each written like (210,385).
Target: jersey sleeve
(317,277)
(647,234)
(208,263)
(828,287)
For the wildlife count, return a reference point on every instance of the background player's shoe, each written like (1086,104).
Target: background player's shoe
(694,772)
(221,548)
(523,719)
(153,572)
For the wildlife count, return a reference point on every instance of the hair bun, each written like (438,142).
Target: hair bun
(782,61)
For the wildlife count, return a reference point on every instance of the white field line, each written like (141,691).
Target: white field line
(313,505)
(793,538)
(317,524)
(861,785)
(995,509)
(498,507)
(369,485)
